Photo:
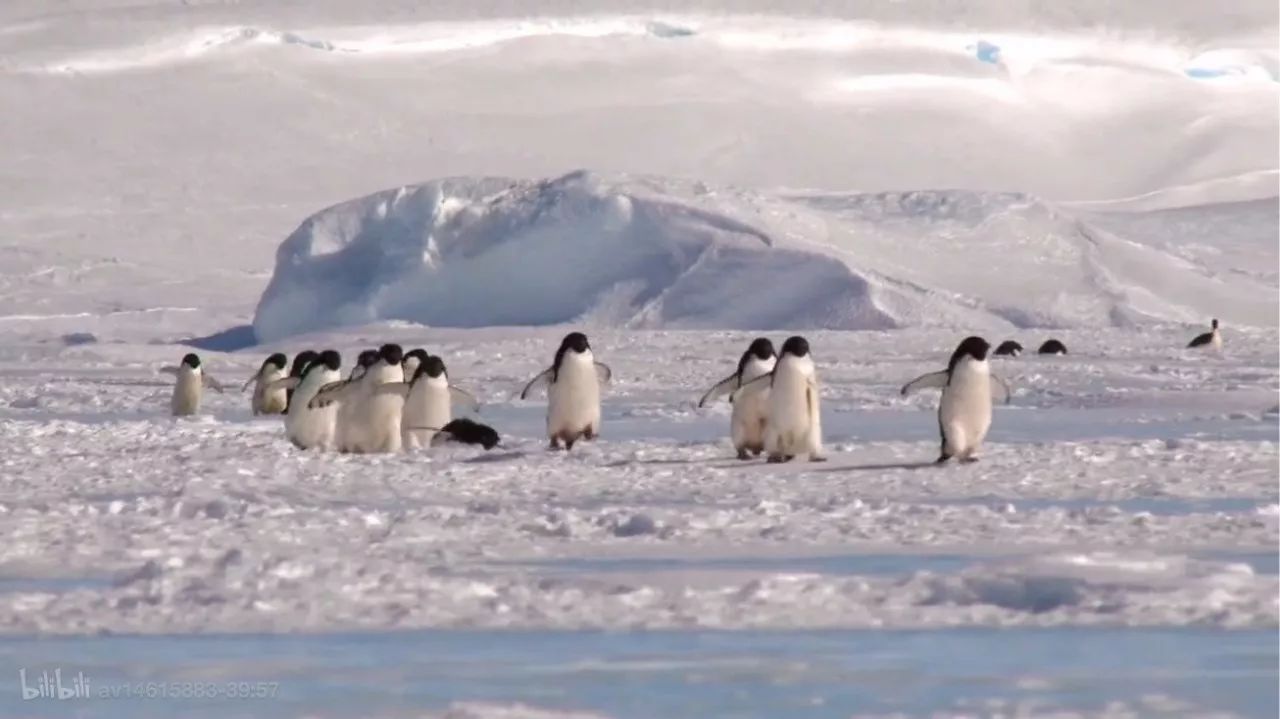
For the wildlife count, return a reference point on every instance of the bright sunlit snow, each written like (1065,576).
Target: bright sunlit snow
(241,178)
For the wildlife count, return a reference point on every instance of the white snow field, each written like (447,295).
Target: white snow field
(240,178)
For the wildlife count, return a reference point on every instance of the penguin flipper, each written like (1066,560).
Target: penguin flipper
(925,381)
(544,377)
(460,396)
(1000,389)
(211,383)
(330,393)
(603,372)
(250,381)
(755,386)
(282,383)
(724,387)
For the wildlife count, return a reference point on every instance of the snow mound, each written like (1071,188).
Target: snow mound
(647,252)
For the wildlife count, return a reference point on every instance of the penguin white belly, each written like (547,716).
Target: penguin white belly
(375,418)
(428,405)
(573,406)
(307,427)
(269,401)
(964,415)
(1216,341)
(793,426)
(186,393)
(751,410)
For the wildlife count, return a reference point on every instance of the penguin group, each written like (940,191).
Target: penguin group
(394,401)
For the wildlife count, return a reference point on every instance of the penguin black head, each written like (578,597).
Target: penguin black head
(1215,324)
(1052,347)
(797,346)
(974,347)
(1009,347)
(432,367)
(761,348)
(575,341)
(277,360)
(417,353)
(366,358)
(300,362)
(330,359)
(391,353)
(191,360)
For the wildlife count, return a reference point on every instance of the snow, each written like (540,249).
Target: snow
(885,178)
(659,253)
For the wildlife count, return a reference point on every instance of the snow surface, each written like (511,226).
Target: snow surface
(1101,172)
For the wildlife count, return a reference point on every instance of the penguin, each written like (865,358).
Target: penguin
(1008,348)
(793,419)
(190,385)
(464,431)
(1212,339)
(428,400)
(300,362)
(573,392)
(305,425)
(968,387)
(412,359)
(372,420)
(1052,347)
(747,423)
(263,402)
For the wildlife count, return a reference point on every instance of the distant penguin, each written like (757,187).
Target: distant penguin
(275,401)
(371,423)
(1052,347)
(747,422)
(412,359)
(305,425)
(189,387)
(573,392)
(967,384)
(465,431)
(428,401)
(300,362)
(1008,348)
(1212,339)
(793,423)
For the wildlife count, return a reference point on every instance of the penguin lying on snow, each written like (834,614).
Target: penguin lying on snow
(189,387)
(1052,347)
(747,423)
(464,431)
(1211,339)
(275,401)
(573,392)
(964,414)
(793,419)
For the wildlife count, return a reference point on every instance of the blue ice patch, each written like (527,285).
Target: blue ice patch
(986,52)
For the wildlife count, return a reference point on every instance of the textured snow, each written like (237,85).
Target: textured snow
(648,253)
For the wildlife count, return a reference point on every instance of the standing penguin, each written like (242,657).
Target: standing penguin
(305,425)
(1212,339)
(747,423)
(264,402)
(300,362)
(412,359)
(428,401)
(189,387)
(793,423)
(968,386)
(371,422)
(573,392)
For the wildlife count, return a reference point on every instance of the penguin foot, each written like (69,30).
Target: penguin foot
(589,434)
(776,459)
(743,454)
(817,458)
(554,445)
(943,459)
(970,459)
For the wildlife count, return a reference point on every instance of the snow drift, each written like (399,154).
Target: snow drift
(661,253)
